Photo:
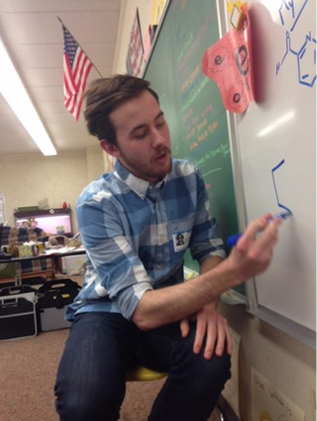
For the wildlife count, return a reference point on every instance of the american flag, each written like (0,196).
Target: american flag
(135,56)
(76,70)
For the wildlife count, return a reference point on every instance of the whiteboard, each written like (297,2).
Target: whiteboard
(277,146)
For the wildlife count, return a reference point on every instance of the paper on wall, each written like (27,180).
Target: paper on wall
(157,10)
(270,404)
(231,391)
(228,62)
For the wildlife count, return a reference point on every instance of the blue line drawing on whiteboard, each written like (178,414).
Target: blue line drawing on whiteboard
(306,56)
(276,194)
(306,61)
(289,7)
(288,50)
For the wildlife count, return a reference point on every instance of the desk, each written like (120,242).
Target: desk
(55,255)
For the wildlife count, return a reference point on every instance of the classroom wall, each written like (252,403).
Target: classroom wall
(95,161)
(285,362)
(28,178)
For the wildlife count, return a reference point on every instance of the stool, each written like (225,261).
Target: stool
(142,374)
(139,374)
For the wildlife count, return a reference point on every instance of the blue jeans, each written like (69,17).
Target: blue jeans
(90,382)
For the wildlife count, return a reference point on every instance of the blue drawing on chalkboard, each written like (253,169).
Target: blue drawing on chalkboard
(306,55)
(280,205)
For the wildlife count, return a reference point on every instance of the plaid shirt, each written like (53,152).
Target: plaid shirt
(136,235)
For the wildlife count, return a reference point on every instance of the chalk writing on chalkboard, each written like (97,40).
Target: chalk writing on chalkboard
(306,54)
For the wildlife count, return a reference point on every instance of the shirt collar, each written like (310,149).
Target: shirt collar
(136,184)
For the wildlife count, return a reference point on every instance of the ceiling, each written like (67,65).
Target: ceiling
(33,38)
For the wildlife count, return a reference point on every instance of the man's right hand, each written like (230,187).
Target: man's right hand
(251,256)
(254,250)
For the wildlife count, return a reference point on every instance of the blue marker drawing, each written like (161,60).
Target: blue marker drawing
(288,50)
(289,6)
(306,55)
(274,184)
(306,62)
(298,15)
(233,239)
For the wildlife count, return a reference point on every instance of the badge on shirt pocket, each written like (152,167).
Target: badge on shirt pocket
(181,241)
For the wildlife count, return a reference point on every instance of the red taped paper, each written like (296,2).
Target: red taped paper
(229,64)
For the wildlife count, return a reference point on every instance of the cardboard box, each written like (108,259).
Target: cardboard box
(74,265)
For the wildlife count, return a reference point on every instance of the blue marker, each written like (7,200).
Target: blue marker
(233,239)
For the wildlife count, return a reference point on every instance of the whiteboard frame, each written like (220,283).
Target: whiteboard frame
(156,35)
(291,328)
(288,326)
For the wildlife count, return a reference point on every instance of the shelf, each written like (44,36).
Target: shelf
(52,221)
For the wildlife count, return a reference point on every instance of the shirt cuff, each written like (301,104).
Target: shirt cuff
(129,298)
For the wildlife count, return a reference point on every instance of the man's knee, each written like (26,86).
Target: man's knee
(92,408)
(219,368)
(211,373)
(89,403)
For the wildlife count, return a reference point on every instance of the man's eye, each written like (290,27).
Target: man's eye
(140,135)
(160,123)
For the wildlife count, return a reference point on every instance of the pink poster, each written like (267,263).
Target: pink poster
(229,64)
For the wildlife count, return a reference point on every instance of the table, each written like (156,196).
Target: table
(55,255)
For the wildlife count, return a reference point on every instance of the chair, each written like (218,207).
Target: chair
(8,273)
(139,373)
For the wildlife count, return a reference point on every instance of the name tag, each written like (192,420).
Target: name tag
(181,241)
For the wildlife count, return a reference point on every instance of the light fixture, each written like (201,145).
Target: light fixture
(14,92)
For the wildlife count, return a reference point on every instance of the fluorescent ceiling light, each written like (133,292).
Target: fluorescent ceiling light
(14,92)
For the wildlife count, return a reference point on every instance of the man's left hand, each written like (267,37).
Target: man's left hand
(213,327)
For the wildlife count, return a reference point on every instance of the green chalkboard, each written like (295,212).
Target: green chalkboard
(192,103)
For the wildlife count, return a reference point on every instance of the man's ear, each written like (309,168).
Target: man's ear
(110,148)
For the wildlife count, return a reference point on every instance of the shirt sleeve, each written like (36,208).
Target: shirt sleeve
(205,241)
(116,270)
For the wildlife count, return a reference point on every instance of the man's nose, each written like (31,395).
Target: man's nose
(157,138)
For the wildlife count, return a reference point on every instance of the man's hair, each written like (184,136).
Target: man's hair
(103,96)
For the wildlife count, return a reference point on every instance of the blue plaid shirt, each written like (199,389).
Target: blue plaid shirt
(136,235)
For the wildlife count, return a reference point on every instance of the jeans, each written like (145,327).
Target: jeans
(90,382)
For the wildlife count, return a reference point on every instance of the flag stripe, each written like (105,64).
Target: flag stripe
(77,67)
(135,56)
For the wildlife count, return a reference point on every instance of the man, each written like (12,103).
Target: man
(134,305)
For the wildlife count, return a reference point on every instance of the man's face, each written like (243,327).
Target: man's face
(143,138)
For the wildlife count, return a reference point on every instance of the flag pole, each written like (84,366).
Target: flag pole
(80,47)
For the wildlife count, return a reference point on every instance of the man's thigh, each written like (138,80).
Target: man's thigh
(163,348)
(93,365)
